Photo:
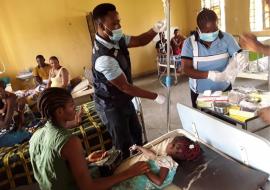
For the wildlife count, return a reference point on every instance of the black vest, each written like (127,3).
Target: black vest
(106,94)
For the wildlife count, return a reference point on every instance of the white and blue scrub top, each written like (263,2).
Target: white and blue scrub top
(213,58)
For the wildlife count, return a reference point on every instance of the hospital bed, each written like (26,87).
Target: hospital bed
(138,107)
(232,158)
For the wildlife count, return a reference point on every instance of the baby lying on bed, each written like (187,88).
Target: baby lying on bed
(162,162)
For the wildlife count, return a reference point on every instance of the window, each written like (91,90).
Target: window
(259,15)
(266,16)
(219,7)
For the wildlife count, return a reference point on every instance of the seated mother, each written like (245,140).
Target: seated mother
(57,157)
(58,76)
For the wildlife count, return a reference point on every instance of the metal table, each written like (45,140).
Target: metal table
(228,119)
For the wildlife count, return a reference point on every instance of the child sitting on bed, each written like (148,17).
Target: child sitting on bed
(162,163)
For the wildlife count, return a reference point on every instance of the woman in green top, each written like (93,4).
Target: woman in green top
(57,156)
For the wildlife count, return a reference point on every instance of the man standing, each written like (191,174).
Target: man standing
(111,68)
(161,45)
(177,42)
(41,72)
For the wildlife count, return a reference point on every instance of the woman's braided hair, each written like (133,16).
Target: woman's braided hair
(51,99)
(206,15)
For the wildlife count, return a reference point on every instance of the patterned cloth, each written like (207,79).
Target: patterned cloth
(11,138)
(142,181)
(15,167)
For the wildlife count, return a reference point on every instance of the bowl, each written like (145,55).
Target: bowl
(221,107)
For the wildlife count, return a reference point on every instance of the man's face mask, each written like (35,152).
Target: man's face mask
(208,37)
(116,34)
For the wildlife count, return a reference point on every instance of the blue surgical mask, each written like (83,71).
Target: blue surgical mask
(116,34)
(208,37)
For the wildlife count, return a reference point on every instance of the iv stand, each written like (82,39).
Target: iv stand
(166,4)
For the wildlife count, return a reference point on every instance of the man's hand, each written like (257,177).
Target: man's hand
(249,41)
(38,80)
(264,114)
(160,99)
(139,168)
(160,26)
